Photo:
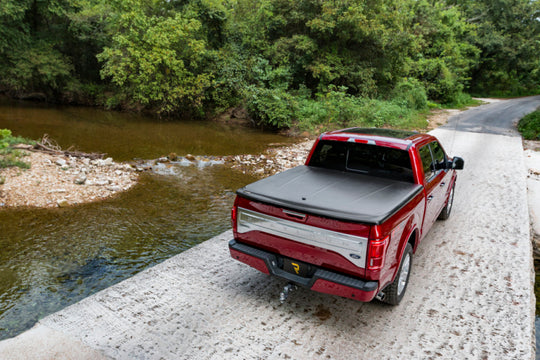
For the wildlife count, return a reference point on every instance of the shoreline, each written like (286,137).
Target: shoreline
(277,159)
(61,181)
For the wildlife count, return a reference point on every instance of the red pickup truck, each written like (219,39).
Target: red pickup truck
(348,221)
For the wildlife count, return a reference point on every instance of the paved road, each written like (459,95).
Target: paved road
(495,118)
(470,296)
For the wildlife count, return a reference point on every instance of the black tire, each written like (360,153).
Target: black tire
(445,212)
(395,291)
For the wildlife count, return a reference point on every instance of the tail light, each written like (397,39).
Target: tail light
(234,214)
(376,252)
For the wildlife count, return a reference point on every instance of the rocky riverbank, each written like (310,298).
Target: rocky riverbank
(281,158)
(60,181)
(274,160)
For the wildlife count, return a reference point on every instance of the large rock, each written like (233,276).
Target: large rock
(60,162)
(80,180)
(62,203)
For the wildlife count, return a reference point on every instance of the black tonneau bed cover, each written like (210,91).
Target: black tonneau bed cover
(335,194)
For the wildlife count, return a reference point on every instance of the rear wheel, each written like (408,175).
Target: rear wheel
(445,212)
(395,291)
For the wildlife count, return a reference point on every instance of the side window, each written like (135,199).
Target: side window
(438,155)
(427,160)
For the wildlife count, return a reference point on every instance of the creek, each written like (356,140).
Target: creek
(52,258)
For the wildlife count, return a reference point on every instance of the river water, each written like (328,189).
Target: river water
(51,258)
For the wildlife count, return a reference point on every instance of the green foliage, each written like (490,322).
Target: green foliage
(7,140)
(270,107)
(31,33)
(356,44)
(411,94)
(337,109)
(5,134)
(8,156)
(308,61)
(508,35)
(529,126)
(444,56)
(38,67)
(461,101)
(157,57)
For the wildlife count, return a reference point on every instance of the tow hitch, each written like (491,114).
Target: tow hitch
(286,291)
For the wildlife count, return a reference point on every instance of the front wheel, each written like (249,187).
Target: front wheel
(445,212)
(395,291)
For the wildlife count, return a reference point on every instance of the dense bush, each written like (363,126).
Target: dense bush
(411,94)
(529,126)
(270,107)
(338,109)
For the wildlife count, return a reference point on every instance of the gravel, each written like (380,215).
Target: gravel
(60,181)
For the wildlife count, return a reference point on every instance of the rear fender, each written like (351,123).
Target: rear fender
(409,235)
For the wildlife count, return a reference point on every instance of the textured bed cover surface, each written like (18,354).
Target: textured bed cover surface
(331,193)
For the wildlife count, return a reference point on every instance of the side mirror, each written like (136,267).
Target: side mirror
(457,163)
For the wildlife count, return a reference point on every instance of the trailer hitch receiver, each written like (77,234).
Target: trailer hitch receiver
(286,291)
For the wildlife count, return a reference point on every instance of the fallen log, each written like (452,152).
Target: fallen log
(50,147)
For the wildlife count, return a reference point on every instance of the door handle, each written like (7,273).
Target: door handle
(430,197)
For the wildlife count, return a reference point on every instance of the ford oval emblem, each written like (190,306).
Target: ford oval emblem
(354,256)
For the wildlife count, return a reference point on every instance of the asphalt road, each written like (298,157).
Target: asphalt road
(498,118)
(470,294)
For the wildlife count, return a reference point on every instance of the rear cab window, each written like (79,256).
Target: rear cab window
(361,158)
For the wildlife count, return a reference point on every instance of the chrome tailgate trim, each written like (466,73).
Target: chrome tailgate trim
(351,247)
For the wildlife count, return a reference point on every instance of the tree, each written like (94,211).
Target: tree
(30,59)
(157,56)
(508,35)
(444,57)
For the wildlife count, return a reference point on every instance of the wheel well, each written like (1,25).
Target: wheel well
(412,240)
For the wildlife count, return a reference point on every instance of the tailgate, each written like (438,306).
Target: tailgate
(324,242)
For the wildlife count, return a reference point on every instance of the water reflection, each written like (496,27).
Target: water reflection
(129,136)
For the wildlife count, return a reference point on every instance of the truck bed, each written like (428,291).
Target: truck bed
(335,194)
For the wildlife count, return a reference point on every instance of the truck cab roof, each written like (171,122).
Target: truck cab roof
(399,139)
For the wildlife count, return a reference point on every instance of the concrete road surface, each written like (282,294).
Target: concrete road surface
(470,294)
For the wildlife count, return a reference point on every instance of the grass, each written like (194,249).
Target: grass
(10,157)
(529,126)
(337,110)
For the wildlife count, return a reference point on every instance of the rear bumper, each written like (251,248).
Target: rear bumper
(322,280)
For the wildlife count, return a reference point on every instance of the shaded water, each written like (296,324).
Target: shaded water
(129,136)
(51,258)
